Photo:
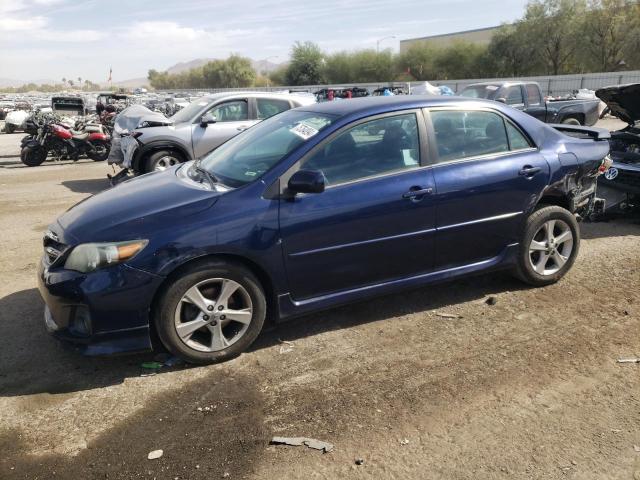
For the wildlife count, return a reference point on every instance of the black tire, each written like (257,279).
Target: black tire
(32,157)
(202,272)
(9,128)
(524,268)
(571,121)
(152,162)
(102,150)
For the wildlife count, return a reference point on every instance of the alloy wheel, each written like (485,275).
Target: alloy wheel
(165,162)
(551,247)
(213,314)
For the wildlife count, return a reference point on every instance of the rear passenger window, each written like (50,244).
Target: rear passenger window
(517,141)
(268,107)
(463,134)
(533,96)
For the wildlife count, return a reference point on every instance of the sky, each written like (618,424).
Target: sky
(52,39)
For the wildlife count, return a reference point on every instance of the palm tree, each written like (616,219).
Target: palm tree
(64,80)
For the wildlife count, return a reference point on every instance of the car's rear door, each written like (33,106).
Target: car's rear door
(487,174)
(232,117)
(375,220)
(536,106)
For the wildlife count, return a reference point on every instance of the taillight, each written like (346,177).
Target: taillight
(605,165)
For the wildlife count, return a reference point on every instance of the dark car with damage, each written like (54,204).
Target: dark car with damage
(621,182)
(316,207)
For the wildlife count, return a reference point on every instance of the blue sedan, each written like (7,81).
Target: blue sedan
(313,208)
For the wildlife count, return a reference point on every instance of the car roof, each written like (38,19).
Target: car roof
(217,96)
(381,104)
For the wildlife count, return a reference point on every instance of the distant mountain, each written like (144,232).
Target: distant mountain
(12,82)
(184,66)
(259,66)
(131,83)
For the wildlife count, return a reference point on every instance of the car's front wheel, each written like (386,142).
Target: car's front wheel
(162,160)
(212,312)
(549,246)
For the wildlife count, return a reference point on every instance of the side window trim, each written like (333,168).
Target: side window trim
(422,138)
(433,152)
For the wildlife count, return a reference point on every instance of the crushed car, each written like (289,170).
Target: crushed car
(15,119)
(620,184)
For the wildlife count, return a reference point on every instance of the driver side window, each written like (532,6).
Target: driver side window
(371,148)
(232,111)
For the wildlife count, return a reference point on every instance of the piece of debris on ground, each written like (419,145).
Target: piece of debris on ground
(298,441)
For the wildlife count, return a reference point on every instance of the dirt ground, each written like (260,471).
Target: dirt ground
(526,388)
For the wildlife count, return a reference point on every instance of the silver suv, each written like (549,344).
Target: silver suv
(204,124)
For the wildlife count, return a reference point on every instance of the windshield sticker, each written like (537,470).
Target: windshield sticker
(304,131)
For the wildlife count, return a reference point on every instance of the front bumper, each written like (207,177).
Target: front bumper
(100,313)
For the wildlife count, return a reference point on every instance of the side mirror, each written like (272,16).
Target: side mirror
(206,119)
(306,181)
(501,100)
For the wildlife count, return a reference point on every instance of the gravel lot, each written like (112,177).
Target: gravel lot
(526,388)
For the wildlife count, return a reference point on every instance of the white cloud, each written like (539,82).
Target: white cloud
(166,31)
(71,35)
(21,24)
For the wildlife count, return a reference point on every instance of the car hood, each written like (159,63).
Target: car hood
(138,116)
(145,204)
(623,100)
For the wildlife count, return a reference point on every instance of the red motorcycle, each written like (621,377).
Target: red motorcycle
(61,142)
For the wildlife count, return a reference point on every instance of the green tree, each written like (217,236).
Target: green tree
(306,66)
(552,26)
(605,27)
(279,75)
(419,61)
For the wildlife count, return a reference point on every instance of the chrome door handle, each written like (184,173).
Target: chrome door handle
(242,128)
(418,192)
(529,171)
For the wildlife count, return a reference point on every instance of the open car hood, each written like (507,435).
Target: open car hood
(623,100)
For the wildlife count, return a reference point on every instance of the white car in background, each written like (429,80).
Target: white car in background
(149,141)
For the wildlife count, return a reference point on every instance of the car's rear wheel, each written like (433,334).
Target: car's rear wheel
(9,128)
(211,313)
(162,160)
(549,246)
(571,121)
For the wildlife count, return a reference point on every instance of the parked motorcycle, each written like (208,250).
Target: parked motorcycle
(51,137)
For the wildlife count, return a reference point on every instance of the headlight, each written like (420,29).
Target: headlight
(88,257)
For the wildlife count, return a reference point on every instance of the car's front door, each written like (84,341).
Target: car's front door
(375,220)
(487,175)
(231,118)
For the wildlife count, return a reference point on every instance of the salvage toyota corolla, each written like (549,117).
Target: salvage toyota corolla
(316,207)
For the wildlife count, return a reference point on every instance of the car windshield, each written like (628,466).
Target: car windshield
(480,91)
(246,157)
(187,113)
